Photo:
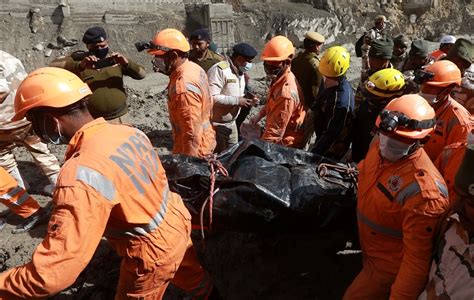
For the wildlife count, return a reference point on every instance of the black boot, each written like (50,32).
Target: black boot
(41,215)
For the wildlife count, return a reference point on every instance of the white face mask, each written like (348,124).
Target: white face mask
(392,149)
(432,99)
(246,67)
(159,65)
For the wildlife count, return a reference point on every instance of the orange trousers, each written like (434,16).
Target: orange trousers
(187,275)
(15,197)
(370,284)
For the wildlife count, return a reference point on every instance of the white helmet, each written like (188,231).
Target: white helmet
(447,39)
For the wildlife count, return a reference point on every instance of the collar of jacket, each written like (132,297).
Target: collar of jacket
(443,106)
(83,133)
(233,67)
(283,76)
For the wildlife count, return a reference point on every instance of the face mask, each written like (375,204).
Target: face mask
(100,53)
(159,65)
(246,67)
(51,131)
(432,99)
(271,71)
(392,149)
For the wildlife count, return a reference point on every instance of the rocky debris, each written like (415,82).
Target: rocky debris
(4,257)
(36,20)
(38,47)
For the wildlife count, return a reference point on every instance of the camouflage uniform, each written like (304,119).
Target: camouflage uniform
(12,73)
(452,271)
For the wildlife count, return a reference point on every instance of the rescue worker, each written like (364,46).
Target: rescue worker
(227,86)
(20,203)
(12,73)
(400,199)
(200,53)
(400,54)
(375,33)
(449,160)
(284,109)
(453,121)
(451,275)
(462,54)
(378,90)
(417,60)
(189,100)
(111,184)
(305,66)
(445,44)
(334,106)
(103,71)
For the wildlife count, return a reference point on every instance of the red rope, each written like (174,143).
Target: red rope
(216,167)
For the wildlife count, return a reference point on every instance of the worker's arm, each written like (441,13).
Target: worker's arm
(278,119)
(134,70)
(74,231)
(338,118)
(420,217)
(189,107)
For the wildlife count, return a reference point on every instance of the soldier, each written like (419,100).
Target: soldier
(200,53)
(227,86)
(451,275)
(417,60)
(103,72)
(400,54)
(375,33)
(12,73)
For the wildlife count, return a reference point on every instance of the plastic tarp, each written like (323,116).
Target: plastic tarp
(268,185)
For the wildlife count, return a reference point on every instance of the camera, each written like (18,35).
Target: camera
(422,76)
(389,121)
(105,62)
(144,46)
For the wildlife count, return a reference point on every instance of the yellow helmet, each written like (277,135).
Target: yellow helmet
(335,62)
(386,83)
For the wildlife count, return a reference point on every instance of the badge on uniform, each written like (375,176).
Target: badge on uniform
(394,183)
(231,80)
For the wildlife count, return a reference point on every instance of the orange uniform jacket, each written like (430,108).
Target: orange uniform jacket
(448,163)
(398,207)
(453,124)
(190,107)
(15,197)
(111,184)
(285,112)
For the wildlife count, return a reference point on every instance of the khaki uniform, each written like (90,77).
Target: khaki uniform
(12,73)
(305,66)
(109,98)
(451,275)
(209,59)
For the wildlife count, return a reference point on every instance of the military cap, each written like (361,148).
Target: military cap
(463,49)
(419,48)
(401,40)
(315,37)
(464,182)
(200,34)
(244,49)
(94,35)
(382,48)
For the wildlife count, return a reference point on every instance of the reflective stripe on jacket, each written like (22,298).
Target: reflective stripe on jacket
(112,183)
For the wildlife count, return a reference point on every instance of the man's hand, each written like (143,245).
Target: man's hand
(88,62)
(247,102)
(119,59)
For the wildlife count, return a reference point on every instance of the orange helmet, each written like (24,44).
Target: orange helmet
(278,48)
(49,87)
(408,116)
(444,73)
(169,39)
